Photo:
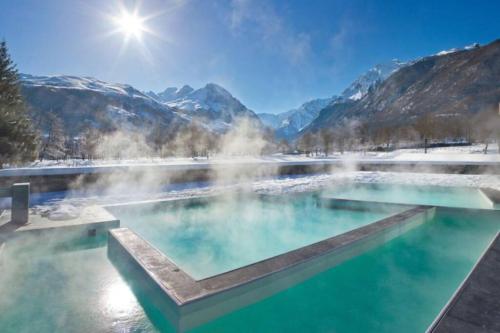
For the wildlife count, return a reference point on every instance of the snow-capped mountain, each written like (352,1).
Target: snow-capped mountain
(85,102)
(81,83)
(359,88)
(455,49)
(287,124)
(212,105)
(171,93)
(459,82)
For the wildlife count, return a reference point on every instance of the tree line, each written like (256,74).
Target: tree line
(420,132)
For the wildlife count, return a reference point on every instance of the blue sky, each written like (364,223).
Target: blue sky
(272,55)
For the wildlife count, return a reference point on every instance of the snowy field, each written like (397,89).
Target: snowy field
(450,155)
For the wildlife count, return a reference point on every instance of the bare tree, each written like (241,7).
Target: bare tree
(89,141)
(326,136)
(194,139)
(385,136)
(487,128)
(306,143)
(425,128)
(283,146)
(54,143)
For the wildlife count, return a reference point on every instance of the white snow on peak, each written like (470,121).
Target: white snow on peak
(291,122)
(472,46)
(81,83)
(444,52)
(455,49)
(171,93)
(357,96)
(211,98)
(359,88)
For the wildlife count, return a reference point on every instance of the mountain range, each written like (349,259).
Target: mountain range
(211,105)
(457,81)
(82,102)
(450,83)
(288,124)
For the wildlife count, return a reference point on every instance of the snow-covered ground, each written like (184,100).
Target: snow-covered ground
(465,154)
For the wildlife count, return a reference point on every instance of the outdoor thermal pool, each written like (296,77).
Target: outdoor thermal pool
(398,286)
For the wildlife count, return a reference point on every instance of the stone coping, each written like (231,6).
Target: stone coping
(193,302)
(475,305)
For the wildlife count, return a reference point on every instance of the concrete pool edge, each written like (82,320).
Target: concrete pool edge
(476,299)
(192,302)
(492,195)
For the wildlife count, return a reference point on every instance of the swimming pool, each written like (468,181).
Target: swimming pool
(398,286)
(209,237)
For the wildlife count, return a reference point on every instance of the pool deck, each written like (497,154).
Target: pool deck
(91,220)
(193,302)
(475,306)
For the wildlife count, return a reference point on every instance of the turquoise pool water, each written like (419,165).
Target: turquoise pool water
(461,197)
(228,233)
(399,286)
(46,288)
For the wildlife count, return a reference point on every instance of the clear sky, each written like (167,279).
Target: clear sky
(272,55)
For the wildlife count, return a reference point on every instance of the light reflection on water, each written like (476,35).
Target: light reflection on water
(48,289)
(117,299)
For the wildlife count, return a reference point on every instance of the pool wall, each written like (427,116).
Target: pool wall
(361,205)
(189,302)
(492,195)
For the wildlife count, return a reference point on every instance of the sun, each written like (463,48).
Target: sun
(130,24)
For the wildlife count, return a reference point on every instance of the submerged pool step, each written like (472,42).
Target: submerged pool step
(188,302)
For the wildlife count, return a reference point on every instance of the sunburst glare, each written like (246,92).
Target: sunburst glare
(130,24)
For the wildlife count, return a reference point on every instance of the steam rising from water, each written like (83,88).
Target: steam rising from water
(231,231)
(244,142)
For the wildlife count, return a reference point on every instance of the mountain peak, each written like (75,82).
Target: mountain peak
(186,89)
(214,105)
(173,93)
(378,73)
(289,123)
(217,89)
